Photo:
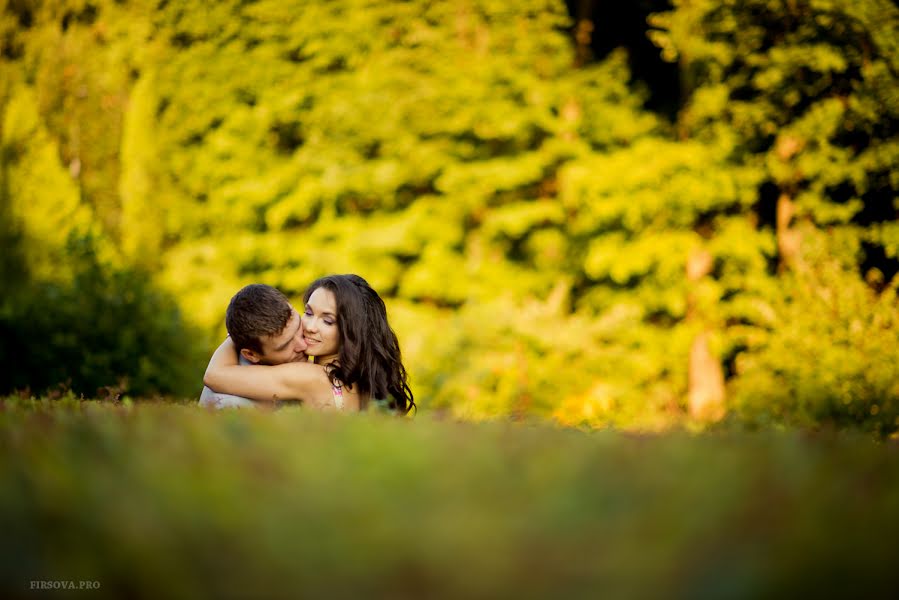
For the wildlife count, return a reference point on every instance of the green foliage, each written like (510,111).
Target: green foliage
(75,312)
(77,56)
(804,94)
(164,501)
(535,231)
(425,158)
(41,200)
(807,91)
(106,327)
(851,381)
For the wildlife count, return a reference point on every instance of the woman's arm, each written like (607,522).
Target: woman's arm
(290,381)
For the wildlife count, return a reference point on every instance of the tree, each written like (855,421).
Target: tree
(804,93)
(807,93)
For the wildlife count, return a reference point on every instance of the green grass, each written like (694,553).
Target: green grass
(167,501)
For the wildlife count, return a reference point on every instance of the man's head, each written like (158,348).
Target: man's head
(264,326)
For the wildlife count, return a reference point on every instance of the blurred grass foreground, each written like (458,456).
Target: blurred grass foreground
(165,501)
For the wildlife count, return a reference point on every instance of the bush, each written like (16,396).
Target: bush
(831,356)
(105,327)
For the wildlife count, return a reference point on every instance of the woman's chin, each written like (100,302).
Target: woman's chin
(320,357)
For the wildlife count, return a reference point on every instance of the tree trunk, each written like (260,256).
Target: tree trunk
(705,395)
(787,237)
(785,149)
(583,32)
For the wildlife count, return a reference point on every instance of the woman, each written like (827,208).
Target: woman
(356,353)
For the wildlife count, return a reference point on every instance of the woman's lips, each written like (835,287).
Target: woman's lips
(310,341)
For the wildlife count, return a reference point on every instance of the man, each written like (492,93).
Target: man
(267,331)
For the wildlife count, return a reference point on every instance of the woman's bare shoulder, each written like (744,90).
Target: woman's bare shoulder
(304,374)
(308,369)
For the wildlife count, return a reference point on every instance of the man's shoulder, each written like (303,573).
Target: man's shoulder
(213,399)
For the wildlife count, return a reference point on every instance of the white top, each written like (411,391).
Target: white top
(213,399)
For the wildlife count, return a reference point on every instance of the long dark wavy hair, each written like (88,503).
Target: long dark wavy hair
(369,355)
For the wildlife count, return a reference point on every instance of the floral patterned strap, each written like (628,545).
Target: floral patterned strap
(337,390)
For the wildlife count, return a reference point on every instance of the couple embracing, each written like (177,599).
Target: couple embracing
(339,354)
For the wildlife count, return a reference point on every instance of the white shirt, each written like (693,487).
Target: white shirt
(213,399)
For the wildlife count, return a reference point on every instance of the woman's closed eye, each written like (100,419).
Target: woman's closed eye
(326,320)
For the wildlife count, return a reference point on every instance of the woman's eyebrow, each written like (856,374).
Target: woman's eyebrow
(323,313)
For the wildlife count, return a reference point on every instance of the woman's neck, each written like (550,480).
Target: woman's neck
(327,359)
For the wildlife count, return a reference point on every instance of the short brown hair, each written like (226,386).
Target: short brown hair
(256,311)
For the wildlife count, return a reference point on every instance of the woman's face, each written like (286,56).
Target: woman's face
(320,324)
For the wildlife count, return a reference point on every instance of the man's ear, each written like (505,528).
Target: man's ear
(250,355)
